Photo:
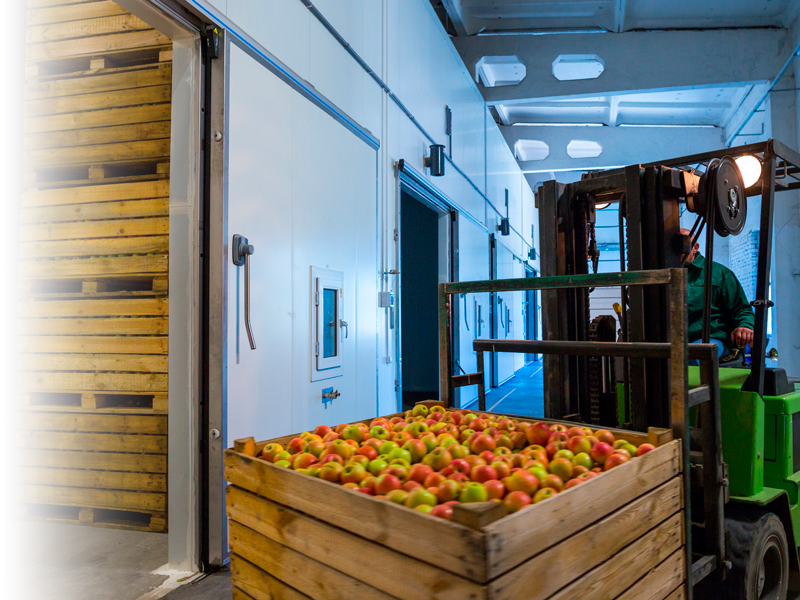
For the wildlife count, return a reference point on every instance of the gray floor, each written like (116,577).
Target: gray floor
(71,562)
(214,587)
(522,395)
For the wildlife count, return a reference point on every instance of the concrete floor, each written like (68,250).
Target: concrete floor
(522,395)
(214,587)
(71,562)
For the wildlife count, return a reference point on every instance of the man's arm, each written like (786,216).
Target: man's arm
(741,313)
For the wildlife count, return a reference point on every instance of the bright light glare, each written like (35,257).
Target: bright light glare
(750,168)
(601,205)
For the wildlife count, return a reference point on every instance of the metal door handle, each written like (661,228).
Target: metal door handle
(346,329)
(242,251)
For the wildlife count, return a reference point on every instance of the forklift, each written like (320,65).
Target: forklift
(745,511)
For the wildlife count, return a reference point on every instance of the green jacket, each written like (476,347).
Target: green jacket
(729,306)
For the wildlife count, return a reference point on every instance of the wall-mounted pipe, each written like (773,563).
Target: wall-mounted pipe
(338,37)
(763,97)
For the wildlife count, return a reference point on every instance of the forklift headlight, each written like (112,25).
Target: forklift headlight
(750,168)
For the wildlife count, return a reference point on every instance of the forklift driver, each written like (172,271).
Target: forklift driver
(732,318)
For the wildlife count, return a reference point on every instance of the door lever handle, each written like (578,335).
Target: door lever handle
(346,329)
(242,251)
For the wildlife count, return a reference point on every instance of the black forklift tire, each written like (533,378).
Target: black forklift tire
(759,553)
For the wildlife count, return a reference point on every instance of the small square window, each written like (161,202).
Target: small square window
(327,320)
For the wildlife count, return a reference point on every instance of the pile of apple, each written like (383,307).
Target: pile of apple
(430,459)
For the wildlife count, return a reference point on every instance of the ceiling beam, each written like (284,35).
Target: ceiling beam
(613,111)
(621,145)
(739,117)
(453,9)
(634,61)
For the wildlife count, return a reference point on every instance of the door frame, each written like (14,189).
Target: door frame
(416,186)
(531,322)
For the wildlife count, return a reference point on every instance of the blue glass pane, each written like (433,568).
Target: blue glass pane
(328,323)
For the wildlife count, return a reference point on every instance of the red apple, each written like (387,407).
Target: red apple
(386,483)
(558,436)
(576,431)
(561,467)
(322,430)
(417,449)
(544,494)
(303,461)
(419,496)
(433,480)
(601,451)
(522,481)
(368,451)
(331,471)
(353,473)
(399,471)
(331,458)
(494,489)
(615,460)
(604,436)
(442,511)
(502,468)
(410,485)
(553,481)
(474,461)
(538,433)
(488,456)
(438,459)
(419,472)
(516,501)
(459,477)
(340,428)
(296,446)
(448,490)
(578,444)
(644,449)
(483,473)
(270,451)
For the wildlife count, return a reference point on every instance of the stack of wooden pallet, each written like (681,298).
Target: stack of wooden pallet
(94,266)
(12,58)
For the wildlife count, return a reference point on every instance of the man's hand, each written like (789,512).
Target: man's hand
(742,336)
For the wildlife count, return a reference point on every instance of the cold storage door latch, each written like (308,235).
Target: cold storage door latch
(242,251)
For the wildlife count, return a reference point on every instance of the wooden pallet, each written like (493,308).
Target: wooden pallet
(97,101)
(618,536)
(99,236)
(93,463)
(81,354)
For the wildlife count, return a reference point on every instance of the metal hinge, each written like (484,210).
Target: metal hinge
(396,235)
(316,349)
(396,385)
(316,298)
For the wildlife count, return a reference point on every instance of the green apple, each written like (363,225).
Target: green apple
(473,492)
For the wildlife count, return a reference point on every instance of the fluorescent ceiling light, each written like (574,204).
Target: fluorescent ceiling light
(526,150)
(498,71)
(558,124)
(584,149)
(569,67)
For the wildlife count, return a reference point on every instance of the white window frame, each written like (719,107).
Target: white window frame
(325,279)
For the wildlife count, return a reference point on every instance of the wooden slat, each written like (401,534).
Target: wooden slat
(151,244)
(137,307)
(518,537)
(103,153)
(259,584)
(97,193)
(98,135)
(576,555)
(94,344)
(99,118)
(240,595)
(125,209)
(679,594)
(83,267)
(616,575)
(94,229)
(104,480)
(84,28)
(96,442)
(86,10)
(101,326)
(661,582)
(116,382)
(90,423)
(159,74)
(120,500)
(307,576)
(92,362)
(105,461)
(99,45)
(451,546)
(344,551)
(95,102)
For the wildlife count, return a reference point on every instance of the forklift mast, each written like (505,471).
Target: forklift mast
(651,199)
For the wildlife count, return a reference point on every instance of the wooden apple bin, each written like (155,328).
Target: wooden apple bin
(617,536)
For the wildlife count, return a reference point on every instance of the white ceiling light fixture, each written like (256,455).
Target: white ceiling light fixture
(584,149)
(569,67)
(750,168)
(498,71)
(527,150)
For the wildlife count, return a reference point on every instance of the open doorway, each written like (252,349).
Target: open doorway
(425,261)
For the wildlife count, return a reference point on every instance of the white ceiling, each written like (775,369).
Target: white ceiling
(486,16)
(701,106)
